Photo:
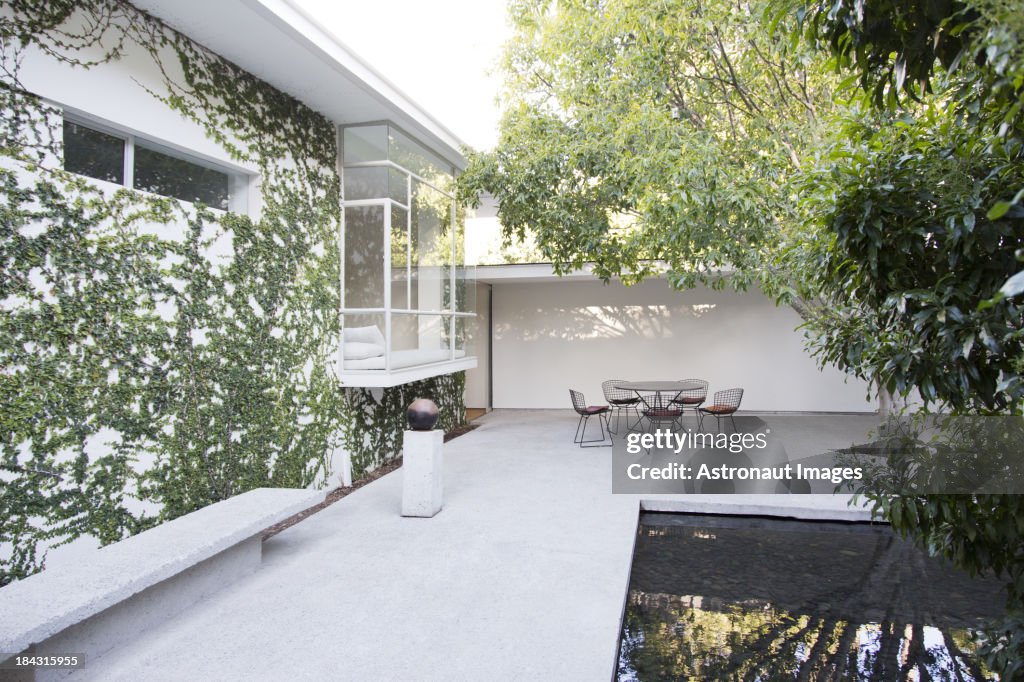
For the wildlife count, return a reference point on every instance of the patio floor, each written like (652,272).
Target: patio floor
(523,574)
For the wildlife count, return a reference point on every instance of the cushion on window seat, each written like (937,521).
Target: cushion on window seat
(371,334)
(405,358)
(357,350)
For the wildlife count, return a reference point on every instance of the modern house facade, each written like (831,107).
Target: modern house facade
(201,197)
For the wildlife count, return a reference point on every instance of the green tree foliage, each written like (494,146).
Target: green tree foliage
(638,132)
(918,225)
(901,249)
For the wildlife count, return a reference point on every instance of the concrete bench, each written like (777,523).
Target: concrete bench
(129,586)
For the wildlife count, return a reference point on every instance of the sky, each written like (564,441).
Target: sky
(438,52)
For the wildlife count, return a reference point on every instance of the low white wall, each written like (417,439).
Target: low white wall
(555,335)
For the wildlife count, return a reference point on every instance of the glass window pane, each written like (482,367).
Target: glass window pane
(427,334)
(361,348)
(364,257)
(170,176)
(365,143)
(375,183)
(465,328)
(399,258)
(365,183)
(418,340)
(465,289)
(431,246)
(410,154)
(93,153)
(398,186)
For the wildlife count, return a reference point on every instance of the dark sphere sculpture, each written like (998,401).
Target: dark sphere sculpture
(422,414)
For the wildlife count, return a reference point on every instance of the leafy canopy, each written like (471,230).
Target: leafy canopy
(638,132)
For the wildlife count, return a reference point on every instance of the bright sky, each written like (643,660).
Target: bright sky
(438,52)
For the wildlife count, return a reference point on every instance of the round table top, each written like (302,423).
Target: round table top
(661,386)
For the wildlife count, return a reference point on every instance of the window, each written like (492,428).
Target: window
(142,165)
(90,152)
(402,259)
(161,173)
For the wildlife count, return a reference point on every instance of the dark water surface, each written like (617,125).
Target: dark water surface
(730,598)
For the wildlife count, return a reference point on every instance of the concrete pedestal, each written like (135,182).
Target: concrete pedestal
(422,464)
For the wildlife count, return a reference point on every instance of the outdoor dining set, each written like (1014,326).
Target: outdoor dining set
(647,405)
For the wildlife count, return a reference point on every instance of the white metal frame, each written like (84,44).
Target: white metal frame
(238,178)
(388,376)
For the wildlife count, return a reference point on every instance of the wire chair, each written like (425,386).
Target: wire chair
(658,408)
(692,398)
(723,404)
(621,401)
(602,412)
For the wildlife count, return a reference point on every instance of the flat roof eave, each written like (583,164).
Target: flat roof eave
(545,272)
(284,46)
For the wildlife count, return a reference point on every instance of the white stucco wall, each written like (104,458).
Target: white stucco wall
(114,94)
(551,336)
(478,380)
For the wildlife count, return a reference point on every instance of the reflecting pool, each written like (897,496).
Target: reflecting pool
(730,598)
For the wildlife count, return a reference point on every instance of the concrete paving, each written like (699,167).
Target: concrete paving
(522,575)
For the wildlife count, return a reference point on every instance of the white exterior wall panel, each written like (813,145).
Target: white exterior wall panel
(555,335)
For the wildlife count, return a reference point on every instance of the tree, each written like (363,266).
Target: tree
(639,132)
(919,224)
(901,246)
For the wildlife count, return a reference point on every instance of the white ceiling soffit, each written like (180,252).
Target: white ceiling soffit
(288,49)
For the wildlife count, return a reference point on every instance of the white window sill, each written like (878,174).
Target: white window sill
(379,378)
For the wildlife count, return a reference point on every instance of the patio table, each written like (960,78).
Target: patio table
(658,388)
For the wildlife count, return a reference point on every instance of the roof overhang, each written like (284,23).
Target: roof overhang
(529,272)
(545,272)
(284,46)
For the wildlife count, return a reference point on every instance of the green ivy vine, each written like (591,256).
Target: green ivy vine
(374,427)
(136,369)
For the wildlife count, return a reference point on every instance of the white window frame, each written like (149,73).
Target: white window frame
(240,180)
(389,376)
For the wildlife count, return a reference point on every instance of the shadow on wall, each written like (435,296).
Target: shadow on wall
(586,311)
(648,320)
(550,336)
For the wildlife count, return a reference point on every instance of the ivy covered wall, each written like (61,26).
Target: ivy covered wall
(375,424)
(157,356)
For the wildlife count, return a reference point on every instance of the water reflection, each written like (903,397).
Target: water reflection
(724,598)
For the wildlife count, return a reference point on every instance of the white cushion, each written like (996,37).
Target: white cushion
(369,334)
(357,350)
(403,358)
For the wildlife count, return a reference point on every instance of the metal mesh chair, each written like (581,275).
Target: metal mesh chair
(723,404)
(620,401)
(602,412)
(658,408)
(692,398)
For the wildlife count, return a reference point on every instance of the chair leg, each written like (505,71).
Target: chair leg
(618,419)
(639,417)
(581,436)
